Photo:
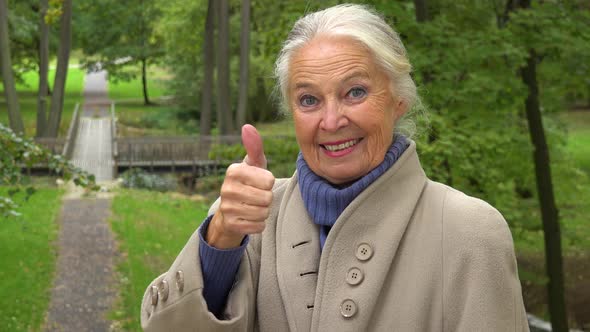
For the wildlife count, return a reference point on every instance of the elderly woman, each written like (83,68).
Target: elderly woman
(359,239)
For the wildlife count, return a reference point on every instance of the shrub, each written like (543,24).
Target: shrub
(140,179)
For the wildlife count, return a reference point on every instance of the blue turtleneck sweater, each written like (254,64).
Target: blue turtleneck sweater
(323,201)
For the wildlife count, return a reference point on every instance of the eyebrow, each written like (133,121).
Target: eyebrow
(303,85)
(354,74)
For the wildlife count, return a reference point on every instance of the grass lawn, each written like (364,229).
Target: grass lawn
(136,119)
(133,90)
(579,137)
(27,96)
(28,260)
(151,229)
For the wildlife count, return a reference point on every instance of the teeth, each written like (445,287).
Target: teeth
(342,146)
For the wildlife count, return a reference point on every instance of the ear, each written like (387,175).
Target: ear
(400,108)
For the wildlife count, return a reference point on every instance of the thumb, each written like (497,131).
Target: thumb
(254,149)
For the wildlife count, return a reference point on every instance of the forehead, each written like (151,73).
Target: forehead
(328,57)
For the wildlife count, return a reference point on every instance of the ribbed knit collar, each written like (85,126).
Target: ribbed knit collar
(324,202)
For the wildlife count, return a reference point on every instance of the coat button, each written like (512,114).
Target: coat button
(180,281)
(354,276)
(348,308)
(163,290)
(154,294)
(364,252)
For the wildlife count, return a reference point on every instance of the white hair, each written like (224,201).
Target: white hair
(364,25)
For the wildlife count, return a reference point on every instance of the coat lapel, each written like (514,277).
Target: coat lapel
(298,255)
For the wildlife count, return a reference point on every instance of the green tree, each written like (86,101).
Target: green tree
(16,122)
(225,119)
(61,74)
(43,69)
(208,66)
(120,36)
(244,63)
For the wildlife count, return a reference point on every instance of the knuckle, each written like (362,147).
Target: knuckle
(264,212)
(232,170)
(267,197)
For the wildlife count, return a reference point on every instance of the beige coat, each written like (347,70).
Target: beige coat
(408,254)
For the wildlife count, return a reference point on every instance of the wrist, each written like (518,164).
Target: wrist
(218,238)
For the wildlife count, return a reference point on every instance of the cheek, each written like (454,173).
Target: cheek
(379,114)
(303,129)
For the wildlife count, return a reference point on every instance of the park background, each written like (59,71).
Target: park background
(172,73)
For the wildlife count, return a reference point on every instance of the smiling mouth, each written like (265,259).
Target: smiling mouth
(341,146)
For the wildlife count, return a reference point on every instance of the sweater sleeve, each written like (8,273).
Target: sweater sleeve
(219,268)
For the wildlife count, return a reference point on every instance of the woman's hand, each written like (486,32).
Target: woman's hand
(246,195)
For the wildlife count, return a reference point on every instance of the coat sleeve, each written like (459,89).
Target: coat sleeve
(481,289)
(174,301)
(179,304)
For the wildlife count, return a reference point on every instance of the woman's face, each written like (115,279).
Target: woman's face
(343,108)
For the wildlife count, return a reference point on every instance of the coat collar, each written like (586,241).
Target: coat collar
(313,287)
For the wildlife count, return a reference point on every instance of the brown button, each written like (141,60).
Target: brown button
(364,251)
(180,281)
(154,294)
(354,276)
(163,290)
(348,308)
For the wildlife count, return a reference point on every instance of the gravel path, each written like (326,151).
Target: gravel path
(84,287)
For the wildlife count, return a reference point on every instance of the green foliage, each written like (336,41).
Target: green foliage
(18,152)
(132,89)
(117,35)
(23,33)
(136,178)
(151,229)
(280,151)
(28,258)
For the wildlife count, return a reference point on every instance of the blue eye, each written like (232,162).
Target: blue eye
(308,100)
(357,93)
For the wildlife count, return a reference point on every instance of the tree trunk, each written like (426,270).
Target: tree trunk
(63,58)
(549,213)
(207,89)
(421,7)
(146,98)
(14,116)
(244,63)
(43,67)
(225,118)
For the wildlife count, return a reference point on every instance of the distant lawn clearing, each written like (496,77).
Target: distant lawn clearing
(27,97)
(133,89)
(151,229)
(28,260)
(579,137)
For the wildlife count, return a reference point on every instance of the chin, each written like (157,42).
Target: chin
(342,177)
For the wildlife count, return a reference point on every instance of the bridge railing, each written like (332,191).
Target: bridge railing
(54,145)
(141,151)
(114,147)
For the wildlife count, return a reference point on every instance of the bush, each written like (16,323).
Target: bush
(140,179)
(281,153)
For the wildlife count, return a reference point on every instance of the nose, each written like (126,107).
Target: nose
(333,118)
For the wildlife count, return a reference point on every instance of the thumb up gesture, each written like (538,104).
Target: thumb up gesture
(246,195)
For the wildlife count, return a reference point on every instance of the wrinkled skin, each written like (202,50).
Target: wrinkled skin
(338,94)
